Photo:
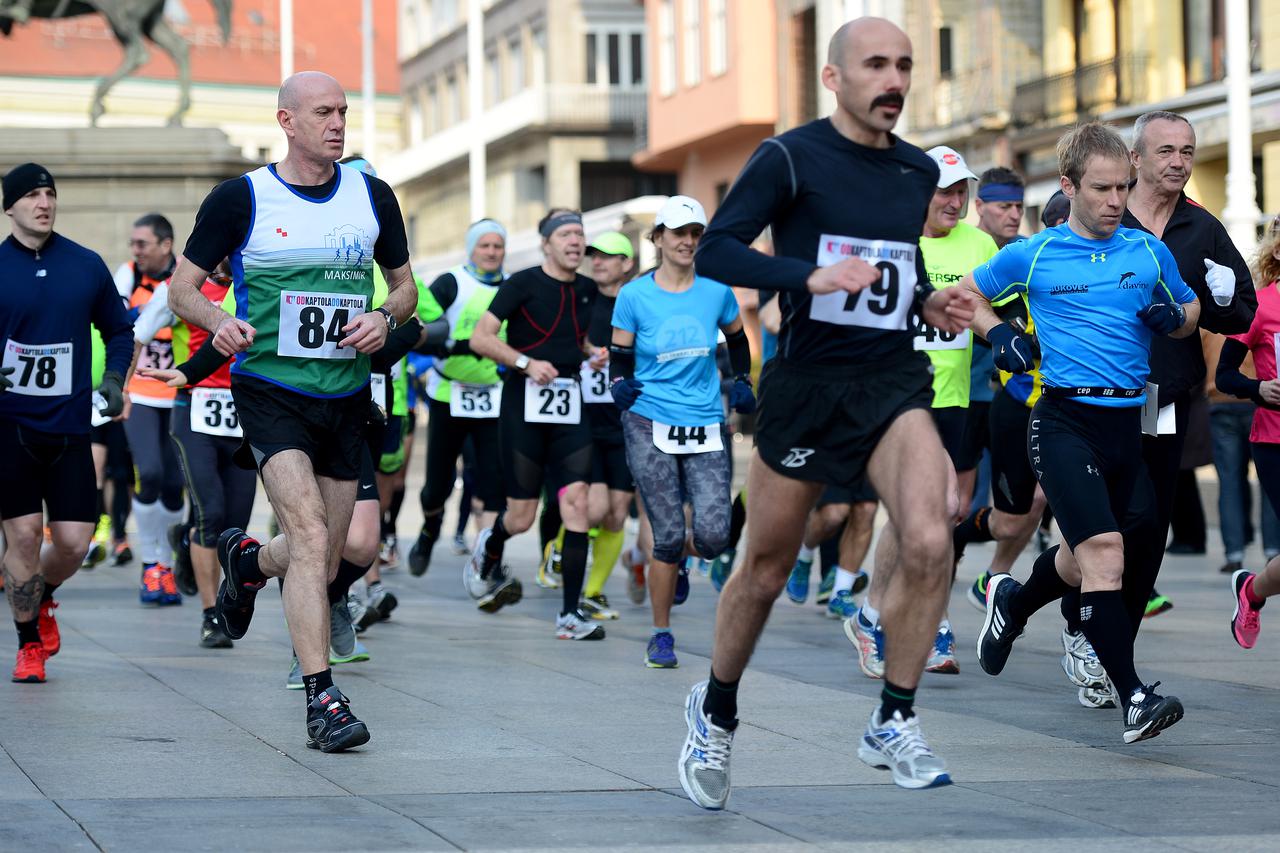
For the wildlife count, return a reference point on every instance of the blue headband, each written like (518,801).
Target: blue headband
(559,220)
(1000,192)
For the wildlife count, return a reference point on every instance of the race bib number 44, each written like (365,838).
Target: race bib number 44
(213,412)
(883,305)
(311,323)
(474,401)
(558,402)
(39,370)
(679,440)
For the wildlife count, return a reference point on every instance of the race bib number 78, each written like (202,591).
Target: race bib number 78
(311,323)
(886,303)
(40,370)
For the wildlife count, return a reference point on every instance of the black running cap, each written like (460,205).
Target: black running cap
(23,179)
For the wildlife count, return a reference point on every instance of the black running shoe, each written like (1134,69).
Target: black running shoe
(184,573)
(212,636)
(331,727)
(235,597)
(420,555)
(1147,713)
(503,590)
(995,641)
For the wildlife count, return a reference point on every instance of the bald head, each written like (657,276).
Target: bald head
(859,35)
(303,86)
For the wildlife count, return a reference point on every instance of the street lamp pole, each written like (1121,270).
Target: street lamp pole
(475,98)
(1241,214)
(286,39)
(366,90)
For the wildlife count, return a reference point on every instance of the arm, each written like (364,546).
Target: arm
(486,344)
(367,332)
(1235,317)
(155,315)
(117,337)
(1230,380)
(399,342)
(984,316)
(229,335)
(1191,312)
(222,224)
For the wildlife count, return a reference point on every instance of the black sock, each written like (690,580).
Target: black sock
(975,528)
(247,565)
(497,538)
(28,632)
(317,683)
(549,521)
(1106,625)
(209,612)
(896,698)
(1071,610)
(721,704)
(573,568)
(48,591)
(1044,585)
(393,509)
(431,525)
(348,573)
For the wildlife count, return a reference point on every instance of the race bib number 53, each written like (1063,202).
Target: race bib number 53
(311,323)
(39,370)
(886,303)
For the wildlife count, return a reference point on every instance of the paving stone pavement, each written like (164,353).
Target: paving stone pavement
(489,734)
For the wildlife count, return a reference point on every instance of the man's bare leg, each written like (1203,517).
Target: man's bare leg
(1013,532)
(23,582)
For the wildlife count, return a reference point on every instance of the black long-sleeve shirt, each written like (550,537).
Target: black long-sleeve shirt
(828,198)
(1193,234)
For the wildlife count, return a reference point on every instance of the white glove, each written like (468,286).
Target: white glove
(1221,281)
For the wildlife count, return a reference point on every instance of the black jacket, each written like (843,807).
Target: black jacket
(1193,234)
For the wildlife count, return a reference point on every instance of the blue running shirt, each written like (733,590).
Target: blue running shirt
(1083,296)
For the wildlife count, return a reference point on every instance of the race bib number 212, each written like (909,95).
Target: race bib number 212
(886,303)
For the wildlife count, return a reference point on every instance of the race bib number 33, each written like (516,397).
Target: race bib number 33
(595,384)
(39,370)
(213,412)
(558,402)
(886,303)
(311,323)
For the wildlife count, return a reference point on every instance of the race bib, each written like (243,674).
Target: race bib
(556,403)
(679,440)
(213,412)
(40,370)
(156,355)
(883,305)
(378,390)
(931,338)
(474,401)
(595,384)
(311,323)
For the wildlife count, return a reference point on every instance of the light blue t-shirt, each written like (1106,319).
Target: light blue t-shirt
(1083,296)
(676,347)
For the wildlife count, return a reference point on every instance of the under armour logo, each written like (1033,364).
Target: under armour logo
(1086,613)
(282,232)
(797,457)
(1097,257)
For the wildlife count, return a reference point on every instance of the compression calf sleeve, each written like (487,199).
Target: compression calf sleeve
(573,568)
(604,555)
(1106,626)
(1044,585)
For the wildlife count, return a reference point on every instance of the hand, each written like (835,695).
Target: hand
(124,415)
(172,378)
(1269,390)
(233,336)
(5,382)
(741,398)
(1010,351)
(949,309)
(541,372)
(367,332)
(849,275)
(1221,281)
(1162,317)
(599,359)
(625,392)
(112,391)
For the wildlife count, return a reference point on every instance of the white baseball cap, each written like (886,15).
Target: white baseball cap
(951,166)
(680,210)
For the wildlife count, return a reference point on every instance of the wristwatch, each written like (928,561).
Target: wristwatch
(391,318)
(521,363)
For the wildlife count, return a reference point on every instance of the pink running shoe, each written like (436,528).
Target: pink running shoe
(1244,621)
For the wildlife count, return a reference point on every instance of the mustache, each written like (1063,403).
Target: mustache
(889,99)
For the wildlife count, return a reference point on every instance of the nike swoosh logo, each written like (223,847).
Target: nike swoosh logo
(904,169)
(365,488)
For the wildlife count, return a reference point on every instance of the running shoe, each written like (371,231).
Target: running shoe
(868,639)
(184,573)
(597,607)
(331,727)
(1080,662)
(861,580)
(1244,621)
(460,545)
(501,590)
(899,746)
(1097,697)
(942,657)
(473,570)
(96,554)
(721,568)
(704,758)
(168,587)
(547,577)
(420,555)
(151,590)
(576,626)
(1147,714)
(343,645)
(1156,605)
(389,552)
(703,567)
(661,653)
(213,637)
(682,585)
(995,640)
(30,666)
(382,601)
(798,582)
(358,612)
(825,586)
(235,597)
(122,554)
(977,592)
(635,574)
(50,636)
(294,681)
(841,605)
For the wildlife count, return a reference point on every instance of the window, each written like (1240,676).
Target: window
(804,62)
(415,119)
(454,97)
(515,58)
(493,77)
(692,35)
(615,59)
(722,190)
(531,186)
(592,59)
(435,118)
(667,47)
(637,59)
(719,61)
(539,41)
(945,62)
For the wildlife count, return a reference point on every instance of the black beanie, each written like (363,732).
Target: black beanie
(23,179)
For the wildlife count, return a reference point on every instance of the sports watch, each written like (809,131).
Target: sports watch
(391,318)
(521,363)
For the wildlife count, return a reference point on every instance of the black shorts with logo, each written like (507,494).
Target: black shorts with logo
(331,431)
(821,424)
(39,469)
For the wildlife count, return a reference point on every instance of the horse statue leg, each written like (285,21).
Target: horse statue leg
(135,56)
(176,46)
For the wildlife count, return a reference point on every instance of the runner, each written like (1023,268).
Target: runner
(847,396)
(664,377)
(545,441)
(1099,292)
(303,235)
(832,517)
(51,290)
(463,390)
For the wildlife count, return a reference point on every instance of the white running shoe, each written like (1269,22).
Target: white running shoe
(1080,662)
(704,758)
(576,626)
(1097,697)
(899,746)
(472,582)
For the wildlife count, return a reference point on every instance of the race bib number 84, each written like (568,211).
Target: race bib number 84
(883,305)
(311,323)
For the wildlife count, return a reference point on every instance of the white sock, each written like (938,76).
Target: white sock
(944,626)
(870,613)
(844,581)
(806,554)
(151,532)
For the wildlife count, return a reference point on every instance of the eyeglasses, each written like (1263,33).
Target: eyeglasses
(143,244)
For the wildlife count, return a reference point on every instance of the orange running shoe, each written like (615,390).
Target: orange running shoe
(30,666)
(168,586)
(151,591)
(49,634)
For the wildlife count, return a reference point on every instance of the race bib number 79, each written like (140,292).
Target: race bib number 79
(886,303)
(311,323)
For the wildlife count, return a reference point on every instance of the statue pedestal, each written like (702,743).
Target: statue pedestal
(109,176)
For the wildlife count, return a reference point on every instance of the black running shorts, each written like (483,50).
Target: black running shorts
(39,469)
(950,422)
(330,431)
(608,448)
(540,455)
(976,435)
(1013,482)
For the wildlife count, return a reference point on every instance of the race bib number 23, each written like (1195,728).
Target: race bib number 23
(311,323)
(558,402)
(886,303)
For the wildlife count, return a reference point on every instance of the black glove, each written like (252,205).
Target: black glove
(741,398)
(1010,351)
(1162,317)
(5,382)
(112,391)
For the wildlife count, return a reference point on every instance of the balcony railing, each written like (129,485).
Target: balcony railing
(1087,90)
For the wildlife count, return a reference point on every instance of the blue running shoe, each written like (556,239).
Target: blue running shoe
(977,593)
(798,583)
(661,653)
(841,605)
(151,590)
(703,566)
(942,657)
(682,585)
(827,584)
(721,568)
